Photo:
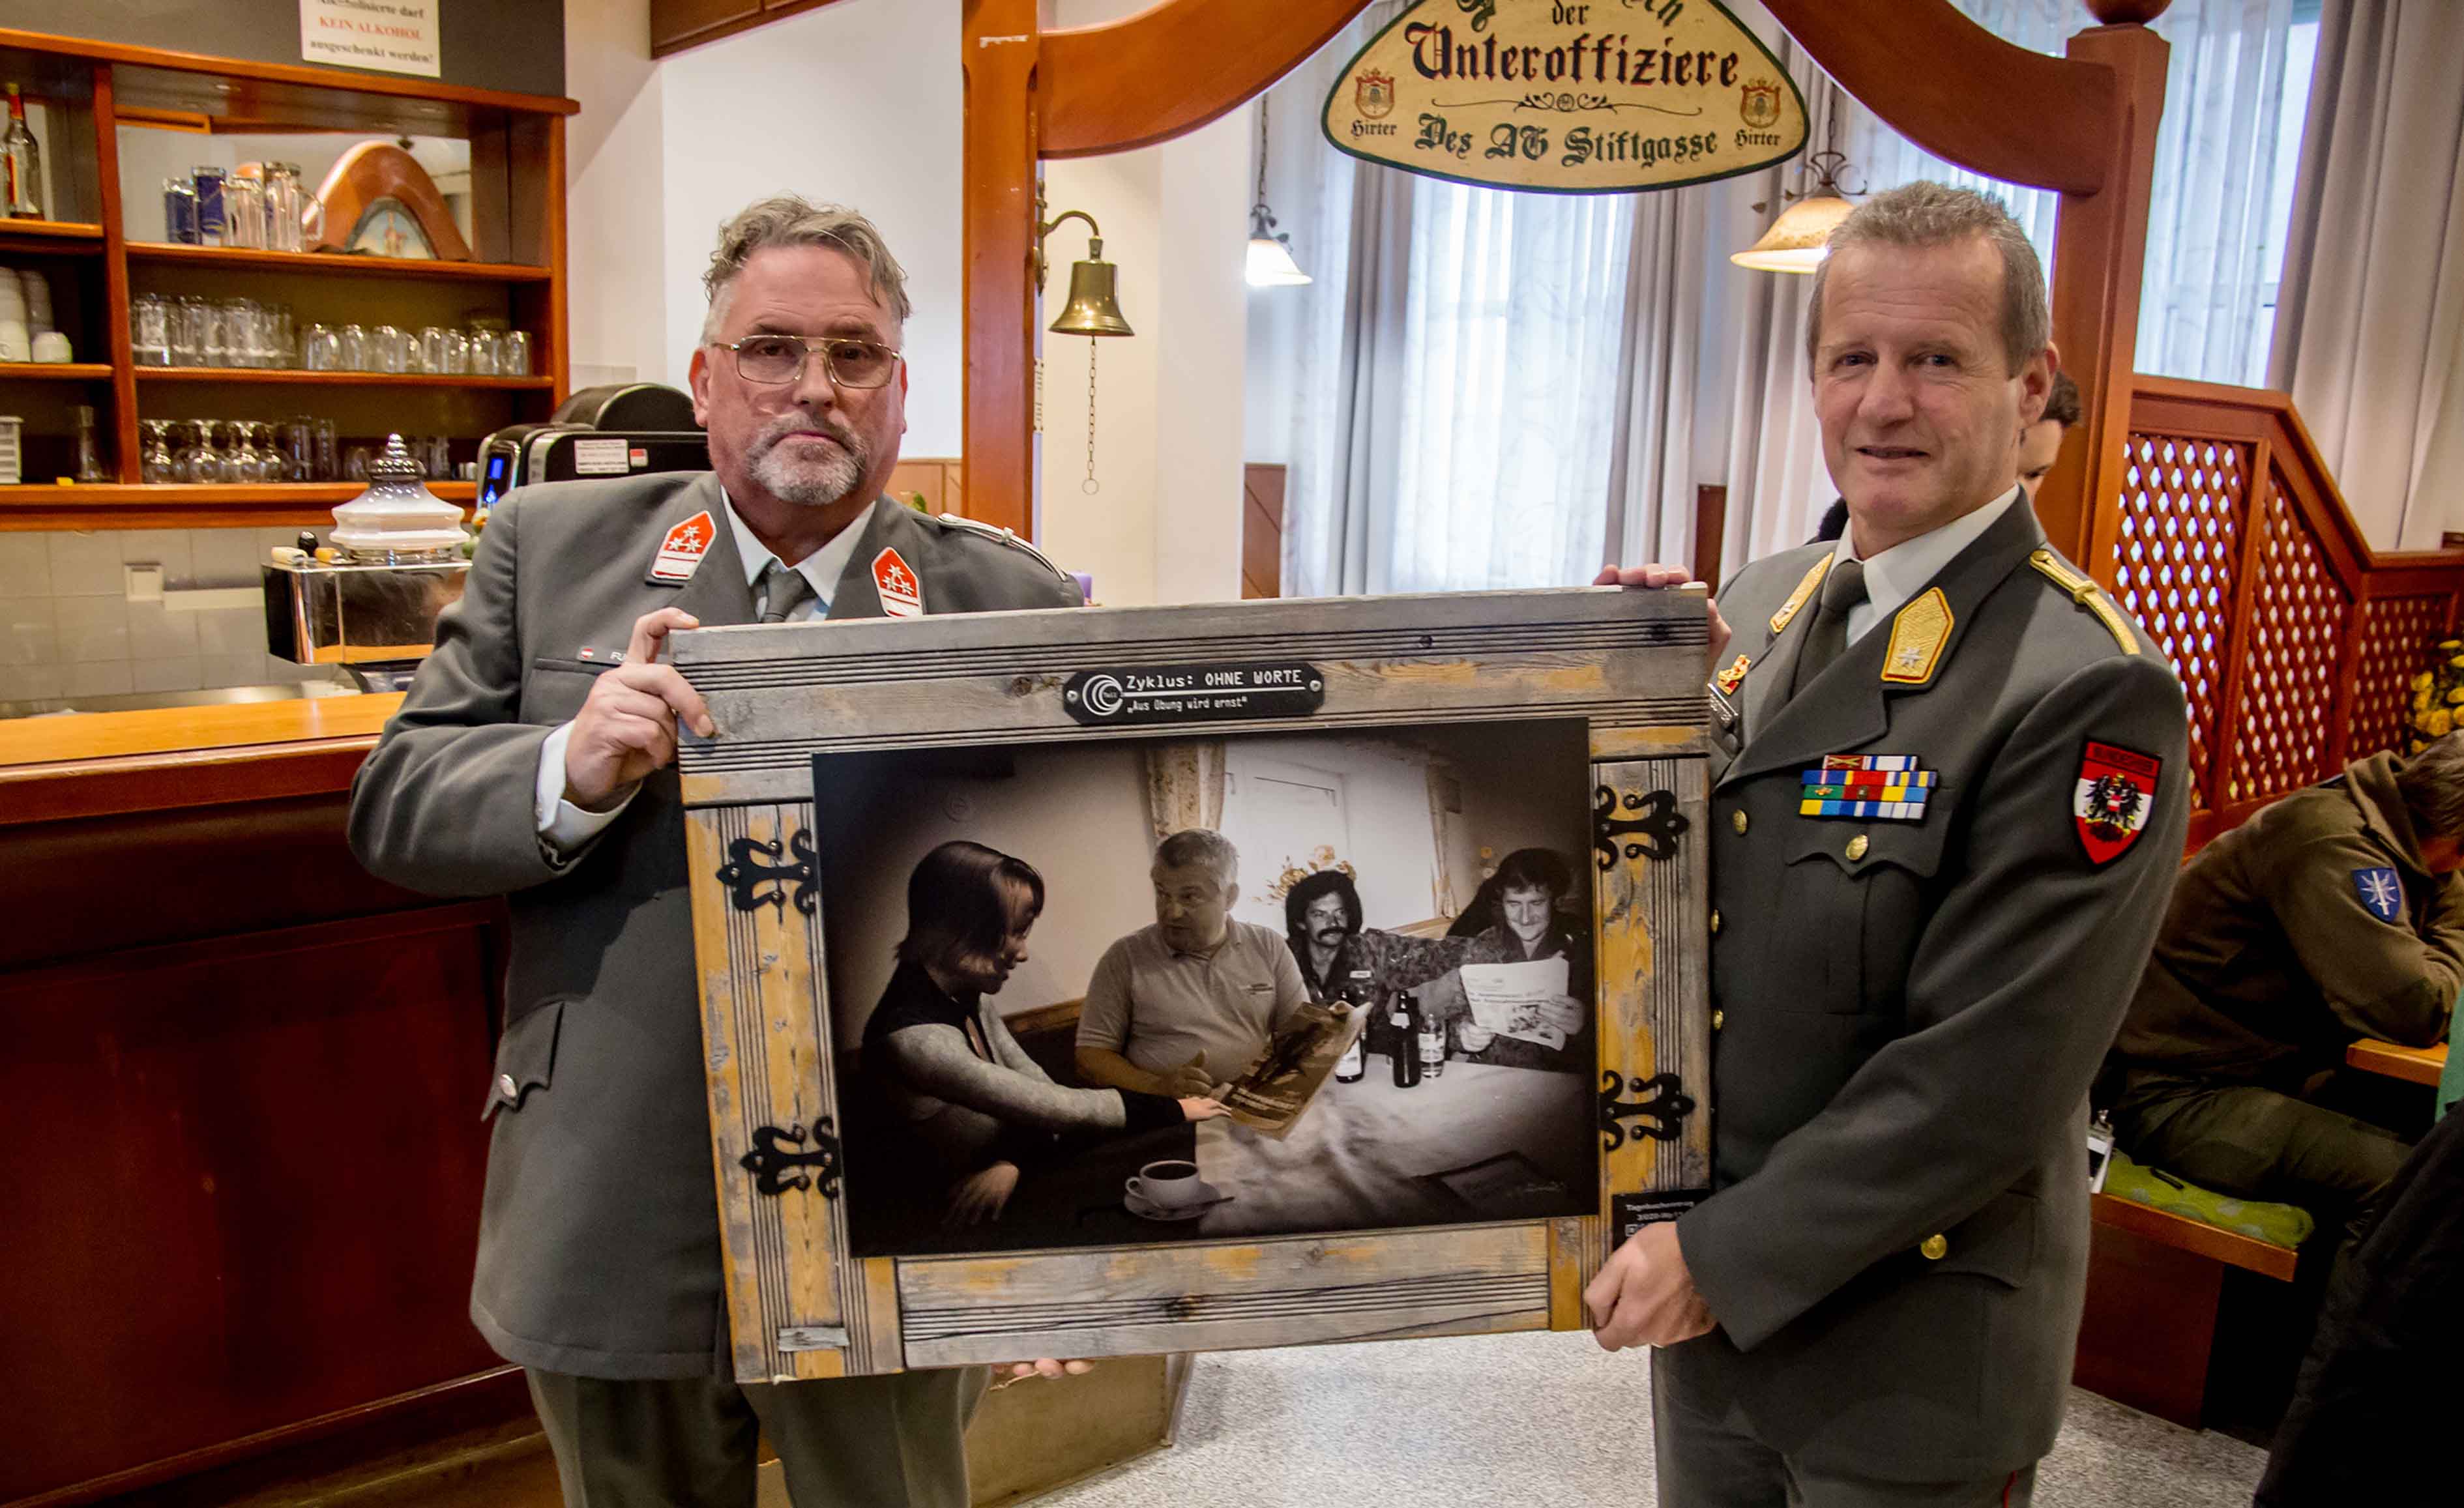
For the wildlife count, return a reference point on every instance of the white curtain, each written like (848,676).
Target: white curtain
(2370,334)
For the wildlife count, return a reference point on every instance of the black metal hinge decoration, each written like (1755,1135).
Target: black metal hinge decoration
(1666,1109)
(1654,834)
(746,876)
(768,1160)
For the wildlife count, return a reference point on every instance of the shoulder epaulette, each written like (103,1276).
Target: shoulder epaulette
(1805,588)
(2088,595)
(1009,538)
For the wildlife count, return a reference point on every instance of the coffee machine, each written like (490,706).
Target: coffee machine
(613,430)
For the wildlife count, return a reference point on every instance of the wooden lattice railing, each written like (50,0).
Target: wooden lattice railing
(2296,642)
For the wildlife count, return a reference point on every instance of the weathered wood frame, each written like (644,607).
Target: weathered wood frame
(800,1305)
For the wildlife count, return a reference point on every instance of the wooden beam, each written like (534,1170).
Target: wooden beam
(2099,257)
(1001,45)
(1987,105)
(1172,67)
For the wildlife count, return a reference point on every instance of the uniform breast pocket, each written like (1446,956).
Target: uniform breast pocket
(556,688)
(1854,897)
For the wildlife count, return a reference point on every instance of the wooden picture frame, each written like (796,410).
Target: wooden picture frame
(801,1304)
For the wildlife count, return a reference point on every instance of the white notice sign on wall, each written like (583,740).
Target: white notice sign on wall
(397,37)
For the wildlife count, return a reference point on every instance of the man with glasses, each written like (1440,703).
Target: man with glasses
(532,759)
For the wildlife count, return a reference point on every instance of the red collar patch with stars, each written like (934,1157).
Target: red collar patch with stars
(2109,805)
(902,595)
(680,553)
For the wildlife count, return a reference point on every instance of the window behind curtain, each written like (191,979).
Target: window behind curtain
(1510,381)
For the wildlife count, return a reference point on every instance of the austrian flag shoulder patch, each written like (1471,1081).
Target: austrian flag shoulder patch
(2109,805)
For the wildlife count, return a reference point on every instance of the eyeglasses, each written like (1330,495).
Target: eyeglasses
(780,358)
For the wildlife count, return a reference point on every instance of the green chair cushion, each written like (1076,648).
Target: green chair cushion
(2286,1225)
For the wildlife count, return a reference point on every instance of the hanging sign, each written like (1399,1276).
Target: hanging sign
(1578,96)
(395,36)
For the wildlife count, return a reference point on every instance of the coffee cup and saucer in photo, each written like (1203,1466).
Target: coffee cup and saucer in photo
(1169,1191)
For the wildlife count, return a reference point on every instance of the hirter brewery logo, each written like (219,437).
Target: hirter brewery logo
(1372,94)
(1760,105)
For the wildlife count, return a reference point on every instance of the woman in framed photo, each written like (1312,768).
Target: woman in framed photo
(975,1109)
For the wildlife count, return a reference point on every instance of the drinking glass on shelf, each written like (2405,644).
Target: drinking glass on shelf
(199,461)
(320,348)
(193,322)
(514,353)
(298,449)
(292,214)
(457,353)
(149,330)
(282,346)
(154,464)
(328,468)
(431,350)
(241,463)
(483,352)
(388,349)
(244,213)
(352,355)
(436,457)
(354,464)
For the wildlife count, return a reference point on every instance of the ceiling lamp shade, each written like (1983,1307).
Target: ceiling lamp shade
(1795,242)
(1270,256)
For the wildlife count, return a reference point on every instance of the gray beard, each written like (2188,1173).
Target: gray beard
(815,484)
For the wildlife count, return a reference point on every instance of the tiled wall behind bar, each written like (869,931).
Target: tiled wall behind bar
(67,628)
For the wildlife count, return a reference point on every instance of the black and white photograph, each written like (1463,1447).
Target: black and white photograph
(1144,991)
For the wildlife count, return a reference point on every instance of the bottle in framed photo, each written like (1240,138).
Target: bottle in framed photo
(1354,1065)
(1405,1043)
(1431,1028)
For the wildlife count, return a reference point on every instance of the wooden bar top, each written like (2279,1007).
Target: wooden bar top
(99,764)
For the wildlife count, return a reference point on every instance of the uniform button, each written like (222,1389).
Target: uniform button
(1719,1018)
(1737,820)
(1935,1248)
(506,1086)
(1856,847)
(1715,921)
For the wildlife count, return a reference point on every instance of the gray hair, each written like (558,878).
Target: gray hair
(788,219)
(1925,214)
(2432,783)
(1199,849)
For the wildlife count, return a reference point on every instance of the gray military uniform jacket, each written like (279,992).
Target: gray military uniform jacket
(599,1231)
(1910,1012)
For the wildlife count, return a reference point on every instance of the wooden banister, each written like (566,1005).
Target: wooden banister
(2296,642)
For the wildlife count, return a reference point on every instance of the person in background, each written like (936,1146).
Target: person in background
(2040,444)
(951,1071)
(1530,884)
(2333,914)
(1187,1003)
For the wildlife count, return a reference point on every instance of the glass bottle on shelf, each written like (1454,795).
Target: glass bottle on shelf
(89,448)
(154,463)
(23,162)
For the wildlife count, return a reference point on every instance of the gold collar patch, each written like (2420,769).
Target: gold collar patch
(1804,589)
(1918,632)
(1735,676)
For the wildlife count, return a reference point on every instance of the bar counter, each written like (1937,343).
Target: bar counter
(241,1103)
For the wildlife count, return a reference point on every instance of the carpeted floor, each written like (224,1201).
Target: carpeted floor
(1549,1420)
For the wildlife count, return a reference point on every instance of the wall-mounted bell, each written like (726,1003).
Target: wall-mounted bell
(1094,308)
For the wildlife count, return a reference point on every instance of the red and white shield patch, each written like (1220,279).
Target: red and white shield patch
(902,595)
(2109,807)
(680,553)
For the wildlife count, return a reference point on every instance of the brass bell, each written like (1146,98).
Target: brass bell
(1093,308)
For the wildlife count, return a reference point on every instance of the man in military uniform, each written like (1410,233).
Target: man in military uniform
(532,759)
(1924,929)
(2335,913)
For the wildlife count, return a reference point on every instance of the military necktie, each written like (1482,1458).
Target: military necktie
(783,590)
(1828,634)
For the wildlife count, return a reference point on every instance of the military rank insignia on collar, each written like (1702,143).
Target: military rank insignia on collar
(1888,787)
(2380,892)
(2109,805)
(1735,676)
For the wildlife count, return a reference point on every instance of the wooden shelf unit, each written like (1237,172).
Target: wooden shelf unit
(518,158)
(291,377)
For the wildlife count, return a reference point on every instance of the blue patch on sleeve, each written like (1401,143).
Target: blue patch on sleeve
(2380,892)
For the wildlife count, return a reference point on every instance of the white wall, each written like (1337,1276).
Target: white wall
(615,171)
(857,102)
